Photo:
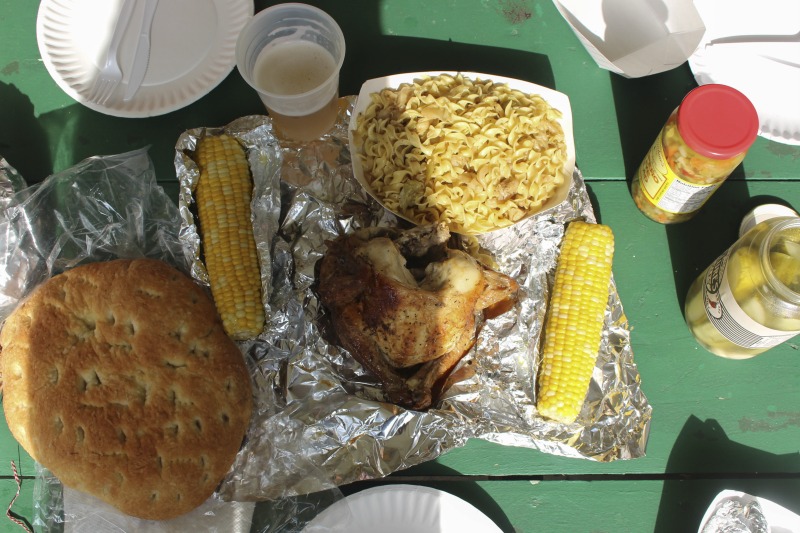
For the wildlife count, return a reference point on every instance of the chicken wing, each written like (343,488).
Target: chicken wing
(407,306)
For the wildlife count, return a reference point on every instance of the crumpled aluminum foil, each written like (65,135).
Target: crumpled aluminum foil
(319,422)
(733,511)
(737,516)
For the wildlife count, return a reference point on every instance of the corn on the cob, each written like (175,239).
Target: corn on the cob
(574,321)
(224,192)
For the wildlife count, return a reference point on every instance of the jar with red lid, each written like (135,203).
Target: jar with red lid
(703,141)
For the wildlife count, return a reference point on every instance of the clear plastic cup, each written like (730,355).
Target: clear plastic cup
(291,54)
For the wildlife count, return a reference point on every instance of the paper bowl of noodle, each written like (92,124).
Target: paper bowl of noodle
(477,151)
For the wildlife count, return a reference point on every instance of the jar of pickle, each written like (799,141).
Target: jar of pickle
(748,300)
(703,141)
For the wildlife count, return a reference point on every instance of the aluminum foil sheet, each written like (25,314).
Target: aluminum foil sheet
(733,511)
(735,516)
(320,421)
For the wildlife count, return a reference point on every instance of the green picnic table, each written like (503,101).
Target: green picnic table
(716,424)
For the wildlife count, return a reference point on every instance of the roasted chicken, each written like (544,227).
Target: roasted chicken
(408,307)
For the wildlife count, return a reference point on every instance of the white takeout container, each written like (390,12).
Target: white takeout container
(555,99)
(635,39)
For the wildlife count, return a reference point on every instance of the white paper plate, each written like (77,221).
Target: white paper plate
(401,509)
(768,73)
(557,100)
(778,518)
(193,46)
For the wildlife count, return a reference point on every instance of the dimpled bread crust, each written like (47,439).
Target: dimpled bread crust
(119,378)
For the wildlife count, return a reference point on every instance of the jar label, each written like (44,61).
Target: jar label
(664,189)
(727,316)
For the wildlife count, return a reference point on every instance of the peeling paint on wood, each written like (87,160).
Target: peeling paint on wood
(11,68)
(781,420)
(516,11)
(784,150)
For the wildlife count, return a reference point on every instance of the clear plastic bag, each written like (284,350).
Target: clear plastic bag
(102,208)
(106,208)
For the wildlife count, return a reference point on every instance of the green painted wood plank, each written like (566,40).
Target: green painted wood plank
(23,506)
(621,506)
(522,506)
(601,506)
(575,506)
(11,451)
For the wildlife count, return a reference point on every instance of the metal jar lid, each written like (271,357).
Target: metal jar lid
(717,121)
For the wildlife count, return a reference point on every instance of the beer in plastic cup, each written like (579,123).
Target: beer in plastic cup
(291,54)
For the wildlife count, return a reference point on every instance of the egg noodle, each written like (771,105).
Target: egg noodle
(475,154)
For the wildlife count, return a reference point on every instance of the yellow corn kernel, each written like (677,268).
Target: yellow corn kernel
(574,322)
(223,195)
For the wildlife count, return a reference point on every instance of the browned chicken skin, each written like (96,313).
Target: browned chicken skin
(407,307)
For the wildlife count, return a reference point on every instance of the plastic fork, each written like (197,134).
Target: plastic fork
(110,74)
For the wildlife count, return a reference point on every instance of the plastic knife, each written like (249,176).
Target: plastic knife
(141,56)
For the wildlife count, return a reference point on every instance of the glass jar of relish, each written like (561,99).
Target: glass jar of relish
(748,300)
(703,141)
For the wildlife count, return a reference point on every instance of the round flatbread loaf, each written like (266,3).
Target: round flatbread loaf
(119,378)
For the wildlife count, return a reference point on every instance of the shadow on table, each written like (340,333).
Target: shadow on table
(19,131)
(79,132)
(717,463)
(596,207)
(392,55)
(696,243)
(643,106)
(372,54)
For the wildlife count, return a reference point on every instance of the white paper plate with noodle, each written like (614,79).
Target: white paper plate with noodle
(459,156)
